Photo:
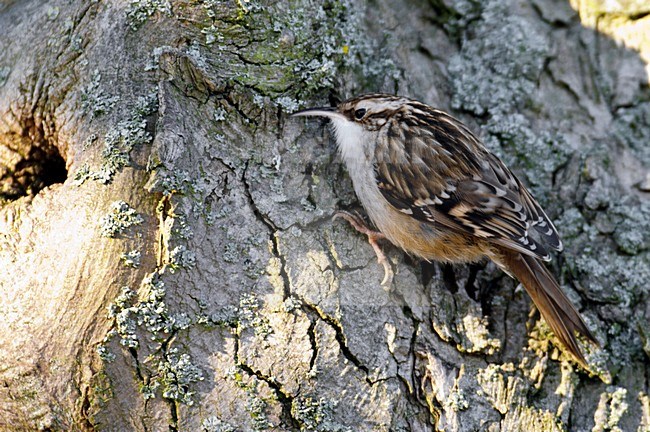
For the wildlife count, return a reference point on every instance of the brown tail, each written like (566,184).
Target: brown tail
(550,300)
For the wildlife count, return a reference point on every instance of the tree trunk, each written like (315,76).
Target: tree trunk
(166,229)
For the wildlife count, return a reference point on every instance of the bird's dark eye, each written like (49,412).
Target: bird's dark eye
(358,114)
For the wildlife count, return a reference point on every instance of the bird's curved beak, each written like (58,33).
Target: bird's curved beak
(330,112)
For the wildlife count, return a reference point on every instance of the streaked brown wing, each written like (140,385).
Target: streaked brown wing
(440,173)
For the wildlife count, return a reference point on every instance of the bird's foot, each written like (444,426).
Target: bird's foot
(358,223)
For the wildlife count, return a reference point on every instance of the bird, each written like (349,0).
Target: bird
(432,188)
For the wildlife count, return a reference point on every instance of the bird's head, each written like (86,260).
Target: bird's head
(369,111)
(357,121)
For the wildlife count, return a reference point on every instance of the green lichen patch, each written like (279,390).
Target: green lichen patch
(102,349)
(120,217)
(144,318)
(120,311)
(178,182)
(181,229)
(246,252)
(89,141)
(291,45)
(223,317)
(153,313)
(287,52)
(99,395)
(104,354)
(82,174)
(291,304)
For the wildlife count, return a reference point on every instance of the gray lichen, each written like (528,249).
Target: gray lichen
(120,217)
(120,312)
(536,155)
(131,258)
(250,317)
(181,229)
(215,424)
(135,315)
(149,312)
(632,225)
(89,141)
(94,100)
(176,374)
(175,182)
(181,258)
(139,11)
(632,129)
(81,175)
(119,142)
(152,312)
(481,84)
(104,353)
(255,405)
(316,415)
(291,304)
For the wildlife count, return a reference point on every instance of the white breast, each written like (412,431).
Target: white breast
(350,139)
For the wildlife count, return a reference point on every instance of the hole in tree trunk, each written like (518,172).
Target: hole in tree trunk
(29,162)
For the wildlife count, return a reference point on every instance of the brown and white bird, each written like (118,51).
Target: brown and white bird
(432,188)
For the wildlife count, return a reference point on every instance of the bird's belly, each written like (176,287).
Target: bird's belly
(422,239)
(417,238)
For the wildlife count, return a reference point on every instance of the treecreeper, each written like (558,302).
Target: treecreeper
(433,189)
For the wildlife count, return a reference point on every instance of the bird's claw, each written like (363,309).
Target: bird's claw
(357,223)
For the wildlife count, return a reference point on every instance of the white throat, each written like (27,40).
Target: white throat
(350,139)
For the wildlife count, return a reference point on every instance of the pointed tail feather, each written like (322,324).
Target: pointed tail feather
(552,303)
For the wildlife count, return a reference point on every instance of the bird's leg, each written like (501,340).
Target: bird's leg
(357,222)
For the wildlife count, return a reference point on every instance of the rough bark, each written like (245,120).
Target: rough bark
(182,272)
